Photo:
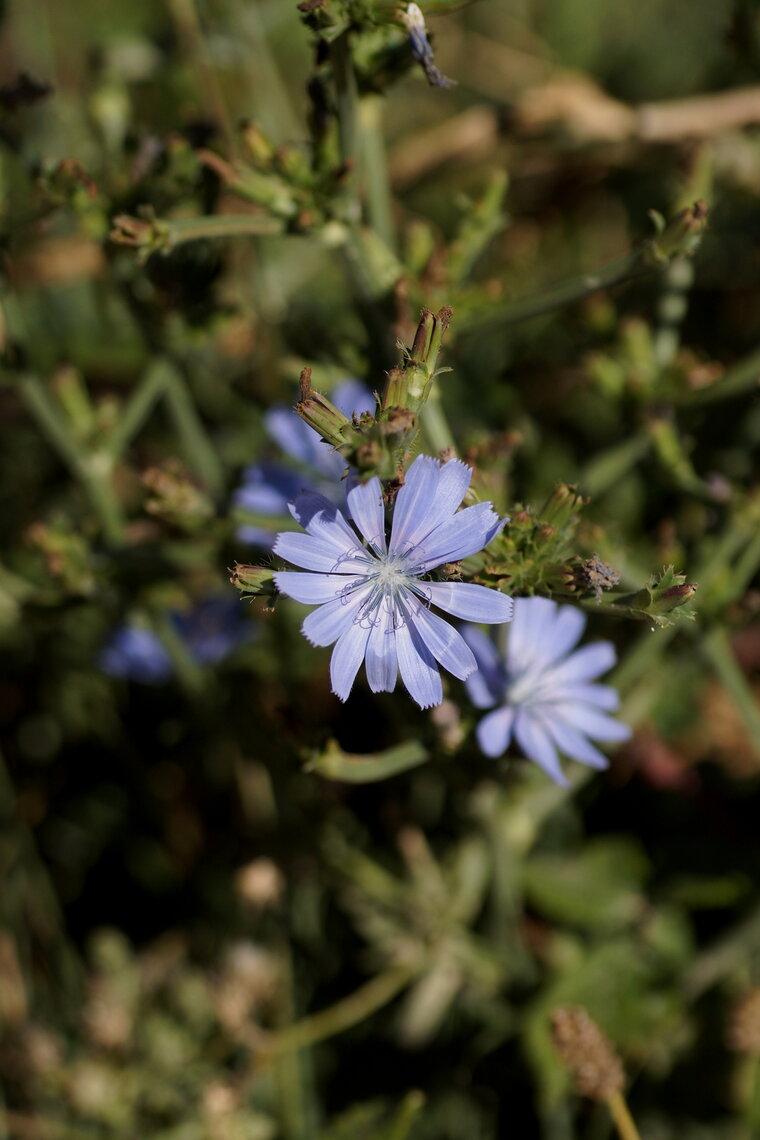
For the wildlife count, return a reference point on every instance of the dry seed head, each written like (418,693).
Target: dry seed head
(586,1053)
(744,1027)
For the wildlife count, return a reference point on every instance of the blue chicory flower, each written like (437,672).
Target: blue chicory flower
(268,488)
(543,688)
(210,630)
(373,597)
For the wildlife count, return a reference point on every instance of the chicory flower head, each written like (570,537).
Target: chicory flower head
(268,488)
(543,688)
(374,596)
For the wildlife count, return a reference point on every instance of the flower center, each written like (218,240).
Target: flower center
(391,573)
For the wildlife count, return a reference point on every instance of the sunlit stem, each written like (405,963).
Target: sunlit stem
(375,170)
(621,1115)
(435,426)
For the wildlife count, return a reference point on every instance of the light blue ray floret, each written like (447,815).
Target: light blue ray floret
(374,601)
(544,693)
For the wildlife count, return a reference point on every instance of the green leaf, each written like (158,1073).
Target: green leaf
(598,888)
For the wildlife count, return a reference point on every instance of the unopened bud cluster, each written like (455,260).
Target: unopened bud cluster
(379,444)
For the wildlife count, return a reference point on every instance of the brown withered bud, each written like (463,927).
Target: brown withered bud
(678,593)
(422,336)
(452,571)
(593,574)
(304,384)
(743,1033)
(586,1053)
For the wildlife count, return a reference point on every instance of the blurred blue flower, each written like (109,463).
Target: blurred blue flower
(210,630)
(372,599)
(136,654)
(268,488)
(543,688)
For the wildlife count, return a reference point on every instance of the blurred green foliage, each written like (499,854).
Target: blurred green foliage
(229,906)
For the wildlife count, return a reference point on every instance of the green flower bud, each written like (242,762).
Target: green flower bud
(257,581)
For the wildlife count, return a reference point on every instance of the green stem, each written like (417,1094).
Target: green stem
(293,1079)
(717,648)
(38,899)
(719,564)
(185,17)
(752,1110)
(505,897)
(628,268)
(179,230)
(343,1014)
(138,408)
(745,567)
(609,466)
(346,96)
(199,451)
(376,180)
(729,953)
(93,471)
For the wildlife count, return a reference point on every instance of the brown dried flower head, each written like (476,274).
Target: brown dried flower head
(587,1053)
